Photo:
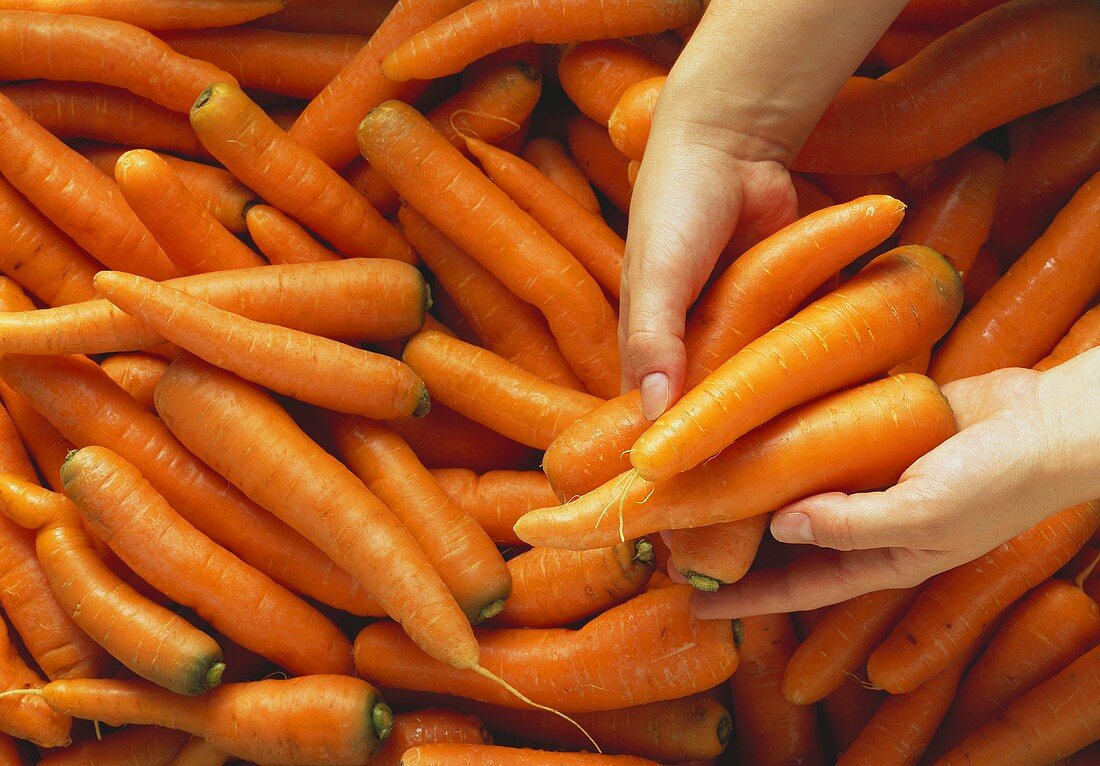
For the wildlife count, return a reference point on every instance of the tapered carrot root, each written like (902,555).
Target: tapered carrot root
(761,472)
(493,755)
(1084,334)
(323,720)
(174,14)
(281,240)
(599,160)
(645,650)
(26,717)
(445,439)
(595,74)
(947,617)
(496,499)
(554,162)
(552,588)
(717,554)
(147,745)
(426,727)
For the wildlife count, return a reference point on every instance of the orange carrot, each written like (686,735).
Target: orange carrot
(26,717)
(849,709)
(281,240)
(1084,335)
(199,752)
(136,374)
(481,28)
(492,391)
(449,191)
(45,444)
(191,237)
(645,650)
(506,325)
(162,14)
(900,43)
(75,196)
(595,74)
(811,197)
(316,494)
(145,745)
(10,754)
(844,188)
(897,306)
(494,755)
(1012,60)
(982,275)
(261,155)
(665,48)
(427,727)
(445,439)
(947,12)
(717,554)
(631,117)
(599,160)
(290,63)
(356,17)
(308,367)
(958,604)
(1005,329)
(496,499)
(554,162)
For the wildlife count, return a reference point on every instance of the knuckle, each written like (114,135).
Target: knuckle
(647,349)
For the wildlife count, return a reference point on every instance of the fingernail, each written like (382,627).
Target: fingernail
(793,528)
(654,390)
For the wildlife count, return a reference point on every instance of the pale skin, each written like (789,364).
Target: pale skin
(748,88)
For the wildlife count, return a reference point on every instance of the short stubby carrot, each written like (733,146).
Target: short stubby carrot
(906,415)
(717,554)
(495,755)
(55,46)
(308,367)
(554,162)
(483,27)
(496,499)
(161,14)
(26,717)
(244,139)
(595,74)
(599,160)
(645,650)
(320,720)
(897,306)
(281,240)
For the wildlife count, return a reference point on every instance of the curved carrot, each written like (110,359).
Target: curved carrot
(450,192)
(957,604)
(316,494)
(898,305)
(481,28)
(595,74)
(1082,336)
(281,240)
(147,745)
(982,275)
(322,720)
(76,197)
(260,154)
(494,755)
(445,439)
(191,237)
(426,727)
(645,650)
(290,63)
(599,160)
(553,161)
(1012,60)
(1004,329)
(945,11)
(761,471)
(492,391)
(54,46)
(136,374)
(170,14)
(308,367)
(27,717)
(899,43)
(717,554)
(630,119)
(496,499)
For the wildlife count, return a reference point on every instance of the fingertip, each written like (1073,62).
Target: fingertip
(726,604)
(654,390)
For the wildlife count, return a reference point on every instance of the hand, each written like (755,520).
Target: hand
(1028,446)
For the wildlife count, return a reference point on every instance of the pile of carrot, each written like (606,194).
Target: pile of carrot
(312,446)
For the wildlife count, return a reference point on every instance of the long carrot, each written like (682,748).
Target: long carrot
(136,374)
(496,499)
(147,745)
(281,240)
(26,717)
(445,439)
(482,27)
(554,162)
(764,470)
(645,650)
(717,554)
(315,493)
(308,367)
(1083,335)
(1012,60)
(173,14)
(76,197)
(356,17)
(494,755)
(1005,329)
(446,188)
(426,727)
(956,605)
(595,74)
(244,139)
(599,160)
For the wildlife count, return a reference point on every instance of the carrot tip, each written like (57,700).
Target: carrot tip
(423,404)
(702,582)
(382,720)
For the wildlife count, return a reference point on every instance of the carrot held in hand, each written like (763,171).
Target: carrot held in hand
(1084,334)
(595,74)
(717,554)
(630,120)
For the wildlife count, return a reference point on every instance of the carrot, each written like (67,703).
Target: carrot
(770,729)
(845,188)
(982,275)
(506,325)
(599,160)
(445,439)
(191,237)
(150,640)
(595,74)
(496,499)
(38,256)
(840,643)
(442,185)
(957,604)
(631,117)
(1053,720)
(849,709)
(494,755)
(136,374)
(761,471)
(665,48)
(308,367)
(124,510)
(325,719)
(1082,336)
(53,46)
(645,650)
(950,12)
(10,754)
(199,752)
(598,248)
(481,28)
(426,727)
(1002,330)
(174,14)
(492,391)
(102,113)
(553,588)
(281,240)
(1009,61)
(356,299)
(290,63)
(45,444)
(1056,616)
(811,197)
(89,408)
(954,215)
(27,717)
(313,492)
(1060,154)
(762,288)
(145,745)
(553,161)
(457,547)
(260,154)
(717,554)
(76,197)
(899,43)
(358,17)
(897,306)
